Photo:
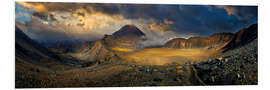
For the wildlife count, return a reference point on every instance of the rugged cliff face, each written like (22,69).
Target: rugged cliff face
(198,42)
(242,37)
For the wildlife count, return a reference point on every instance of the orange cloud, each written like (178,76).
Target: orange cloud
(37,7)
(161,26)
(166,21)
(86,22)
(229,10)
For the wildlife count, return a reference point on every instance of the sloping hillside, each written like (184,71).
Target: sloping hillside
(235,67)
(242,37)
(125,39)
(212,41)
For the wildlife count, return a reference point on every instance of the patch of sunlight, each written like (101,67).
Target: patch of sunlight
(163,56)
(122,49)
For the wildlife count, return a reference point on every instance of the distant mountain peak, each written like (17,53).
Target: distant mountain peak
(130,26)
(129,31)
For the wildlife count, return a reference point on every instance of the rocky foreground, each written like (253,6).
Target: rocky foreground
(236,67)
(105,63)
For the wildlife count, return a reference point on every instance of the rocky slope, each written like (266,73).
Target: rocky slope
(33,61)
(198,42)
(28,50)
(242,37)
(127,37)
(219,41)
(27,47)
(64,46)
(129,31)
(238,66)
(94,52)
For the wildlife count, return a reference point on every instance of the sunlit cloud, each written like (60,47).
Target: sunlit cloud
(23,15)
(160,23)
(37,7)
(230,11)
(161,26)
(91,24)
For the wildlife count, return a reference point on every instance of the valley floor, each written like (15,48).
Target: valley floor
(235,67)
(163,56)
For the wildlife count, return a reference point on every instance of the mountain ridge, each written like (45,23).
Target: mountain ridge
(222,41)
(197,42)
(242,37)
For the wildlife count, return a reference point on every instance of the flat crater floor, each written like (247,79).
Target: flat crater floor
(162,56)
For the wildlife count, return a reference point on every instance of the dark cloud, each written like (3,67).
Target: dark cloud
(44,32)
(159,21)
(245,14)
(199,19)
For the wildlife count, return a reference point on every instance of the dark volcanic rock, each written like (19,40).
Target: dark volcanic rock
(129,31)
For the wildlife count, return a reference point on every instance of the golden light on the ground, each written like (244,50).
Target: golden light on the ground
(122,49)
(162,56)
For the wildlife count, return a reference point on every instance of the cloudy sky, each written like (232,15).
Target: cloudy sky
(90,21)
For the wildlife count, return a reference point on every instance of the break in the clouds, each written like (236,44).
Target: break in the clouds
(90,21)
(23,15)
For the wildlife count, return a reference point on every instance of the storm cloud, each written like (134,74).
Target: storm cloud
(160,22)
